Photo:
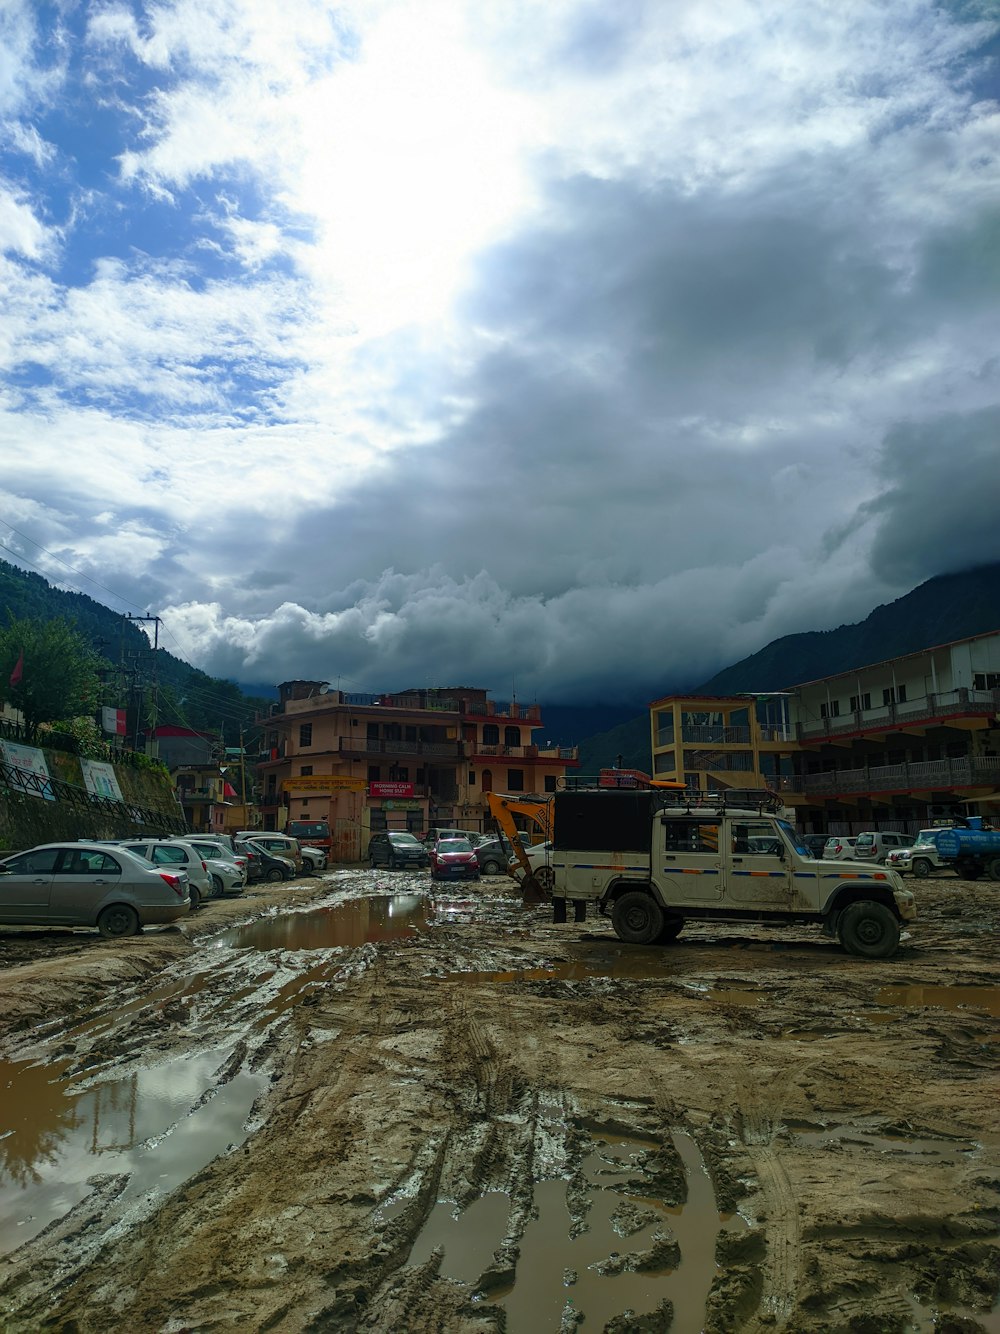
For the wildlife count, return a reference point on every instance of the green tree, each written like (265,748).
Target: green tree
(48,670)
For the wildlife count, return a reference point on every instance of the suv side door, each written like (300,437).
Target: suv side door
(756,877)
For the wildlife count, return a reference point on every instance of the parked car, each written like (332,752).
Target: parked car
(814,842)
(275,869)
(900,860)
(923,858)
(394,848)
(281,845)
(454,859)
(493,855)
(90,884)
(313,859)
(839,848)
(228,872)
(876,845)
(539,857)
(252,857)
(172,854)
(436,835)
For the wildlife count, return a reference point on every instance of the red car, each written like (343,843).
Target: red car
(453,859)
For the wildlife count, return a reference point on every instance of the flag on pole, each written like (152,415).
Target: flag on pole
(18,671)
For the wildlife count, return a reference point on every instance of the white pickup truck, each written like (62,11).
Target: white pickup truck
(652,860)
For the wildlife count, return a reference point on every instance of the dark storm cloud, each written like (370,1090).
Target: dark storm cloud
(938,514)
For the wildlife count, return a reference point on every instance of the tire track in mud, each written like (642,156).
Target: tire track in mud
(757,1115)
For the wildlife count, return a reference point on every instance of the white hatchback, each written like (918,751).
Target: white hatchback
(839,848)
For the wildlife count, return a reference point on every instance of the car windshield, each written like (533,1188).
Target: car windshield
(404,840)
(454,845)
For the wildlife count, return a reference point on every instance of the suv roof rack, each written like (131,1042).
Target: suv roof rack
(730,798)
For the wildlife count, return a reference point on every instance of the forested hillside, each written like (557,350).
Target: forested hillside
(185,696)
(951,606)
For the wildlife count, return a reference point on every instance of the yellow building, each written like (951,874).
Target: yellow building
(895,745)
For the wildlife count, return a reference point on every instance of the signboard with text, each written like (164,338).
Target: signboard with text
(391,788)
(403,804)
(113,721)
(29,773)
(99,778)
(324,783)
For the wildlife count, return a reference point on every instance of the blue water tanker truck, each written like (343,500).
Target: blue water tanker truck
(972,849)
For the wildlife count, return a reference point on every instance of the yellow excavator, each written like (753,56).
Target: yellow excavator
(537,882)
(539,878)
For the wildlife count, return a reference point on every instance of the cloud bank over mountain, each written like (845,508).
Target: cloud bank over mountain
(406,343)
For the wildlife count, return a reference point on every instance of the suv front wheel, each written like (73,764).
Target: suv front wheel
(869,930)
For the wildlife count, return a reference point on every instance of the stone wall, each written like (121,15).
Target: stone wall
(26,819)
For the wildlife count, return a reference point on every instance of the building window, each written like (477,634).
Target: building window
(491,734)
(512,736)
(374,773)
(861,702)
(377,819)
(305,771)
(305,801)
(894,695)
(305,734)
(550,782)
(487,783)
(399,773)
(986,681)
(830,709)
(472,778)
(373,731)
(272,785)
(515,780)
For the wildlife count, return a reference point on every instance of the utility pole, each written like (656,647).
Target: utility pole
(151,746)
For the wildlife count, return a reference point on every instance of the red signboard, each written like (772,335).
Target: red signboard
(390,789)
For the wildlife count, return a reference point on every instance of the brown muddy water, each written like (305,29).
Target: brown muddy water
(160,1125)
(565,1270)
(343,925)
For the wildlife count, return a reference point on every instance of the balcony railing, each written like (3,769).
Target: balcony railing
(886,716)
(717,736)
(922,776)
(375,746)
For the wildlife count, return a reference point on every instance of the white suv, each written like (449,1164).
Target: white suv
(876,846)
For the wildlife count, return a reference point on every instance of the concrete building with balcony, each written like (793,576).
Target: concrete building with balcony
(407,760)
(893,745)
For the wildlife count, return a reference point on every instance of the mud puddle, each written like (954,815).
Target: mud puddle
(943,998)
(160,1125)
(594,1248)
(343,925)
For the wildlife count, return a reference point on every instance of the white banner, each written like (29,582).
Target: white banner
(27,760)
(99,778)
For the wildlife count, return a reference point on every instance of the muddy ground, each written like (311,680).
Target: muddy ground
(428,1108)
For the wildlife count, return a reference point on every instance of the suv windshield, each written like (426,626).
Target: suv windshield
(407,840)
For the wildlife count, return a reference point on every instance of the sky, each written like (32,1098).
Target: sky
(569,349)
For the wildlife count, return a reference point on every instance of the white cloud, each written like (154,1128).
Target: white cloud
(428,341)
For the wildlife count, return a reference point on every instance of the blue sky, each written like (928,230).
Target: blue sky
(587,346)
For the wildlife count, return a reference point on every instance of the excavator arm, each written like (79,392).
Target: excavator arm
(503,808)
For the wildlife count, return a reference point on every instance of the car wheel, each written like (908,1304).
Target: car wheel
(869,930)
(195,897)
(371,860)
(491,868)
(218,888)
(921,868)
(993,869)
(637,918)
(118,920)
(545,878)
(275,875)
(393,865)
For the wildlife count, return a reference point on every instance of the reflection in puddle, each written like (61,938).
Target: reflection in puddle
(161,1125)
(944,998)
(563,1270)
(357,922)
